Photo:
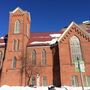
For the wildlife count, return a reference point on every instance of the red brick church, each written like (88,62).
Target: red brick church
(46,58)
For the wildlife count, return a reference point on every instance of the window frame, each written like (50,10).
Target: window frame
(74,81)
(14,62)
(87,80)
(15,45)
(45,81)
(1,55)
(33,82)
(75,48)
(17,27)
(34,54)
(43,59)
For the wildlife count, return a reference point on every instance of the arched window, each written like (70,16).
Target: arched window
(15,45)
(44,81)
(33,57)
(33,80)
(43,57)
(0,55)
(75,48)
(17,27)
(14,63)
(74,80)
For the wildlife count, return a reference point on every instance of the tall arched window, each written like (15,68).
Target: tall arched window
(43,57)
(17,27)
(14,63)
(75,48)
(15,45)
(33,57)
(0,55)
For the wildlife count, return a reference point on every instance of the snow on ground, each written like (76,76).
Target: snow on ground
(5,87)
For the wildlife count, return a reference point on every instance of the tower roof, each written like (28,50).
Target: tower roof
(22,11)
(18,8)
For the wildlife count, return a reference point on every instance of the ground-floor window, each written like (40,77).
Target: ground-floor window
(33,81)
(87,80)
(74,80)
(44,81)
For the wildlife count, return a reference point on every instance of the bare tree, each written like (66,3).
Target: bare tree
(29,69)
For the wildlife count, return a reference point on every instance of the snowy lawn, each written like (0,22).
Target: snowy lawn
(5,87)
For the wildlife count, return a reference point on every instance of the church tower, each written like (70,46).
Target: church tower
(18,36)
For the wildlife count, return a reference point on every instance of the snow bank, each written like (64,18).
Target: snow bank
(5,87)
(74,88)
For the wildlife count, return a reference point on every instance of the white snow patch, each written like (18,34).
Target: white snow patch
(53,41)
(74,88)
(55,35)
(40,42)
(41,37)
(1,37)
(2,43)
(5,87)
(86,22)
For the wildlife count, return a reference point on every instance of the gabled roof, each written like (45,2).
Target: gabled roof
(49,38)
(18,8)
(73,23)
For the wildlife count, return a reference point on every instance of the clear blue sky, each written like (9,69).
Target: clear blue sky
(46,15)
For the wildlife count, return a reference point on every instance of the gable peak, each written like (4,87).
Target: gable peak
(18,8)
(68,28)
(21,11)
